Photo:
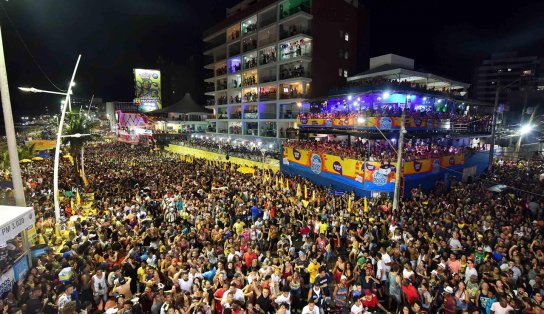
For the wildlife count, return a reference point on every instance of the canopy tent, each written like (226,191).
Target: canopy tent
(13,220)
(186,105)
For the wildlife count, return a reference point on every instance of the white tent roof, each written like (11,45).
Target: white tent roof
(13,220)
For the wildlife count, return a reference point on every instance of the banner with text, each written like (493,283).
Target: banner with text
(382,123)
(147,84)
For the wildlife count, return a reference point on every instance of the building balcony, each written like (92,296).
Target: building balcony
(268,132)
(221,71)
(292,7)
(223,116)
(221,87)
(289,115)
(223,131)
(235,130)
(235,100)
(268,96)
(252,132)
(268,59)
(286,74)
(209,89)
(292,95)
(267,115)
(293,31)
(222,100)
(236,115)
(249,98)
(249,81)
(249,45)
(251,115)
(234,35)
(268,78)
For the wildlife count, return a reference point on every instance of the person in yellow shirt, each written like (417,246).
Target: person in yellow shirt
(323,227)
(239,227)
(313,267)
(141,273)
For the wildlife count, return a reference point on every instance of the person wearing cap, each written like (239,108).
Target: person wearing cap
(341,293)
(449,306)
(370,302)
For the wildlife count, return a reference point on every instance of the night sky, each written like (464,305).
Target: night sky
(115,36)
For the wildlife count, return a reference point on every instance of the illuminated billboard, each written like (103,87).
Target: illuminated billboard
(147,85)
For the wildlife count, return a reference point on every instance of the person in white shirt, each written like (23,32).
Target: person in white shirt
(386,258)
(357,307)
(237,294)
(284,298)
(311,308)
(65,297)
(185,282)
(470,271)
(381,273)
(501,307)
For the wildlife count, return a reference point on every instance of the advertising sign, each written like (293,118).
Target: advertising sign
(147,85)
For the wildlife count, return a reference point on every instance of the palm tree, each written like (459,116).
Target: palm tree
(77,124)
(25,152)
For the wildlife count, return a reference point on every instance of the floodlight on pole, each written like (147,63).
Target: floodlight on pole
(526,128)
(36,90)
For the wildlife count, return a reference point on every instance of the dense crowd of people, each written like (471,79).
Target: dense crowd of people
(393,112)
(236,150)
(379,150)
(381,81)
(197,236)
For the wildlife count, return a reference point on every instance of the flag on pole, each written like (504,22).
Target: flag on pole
(299,190)
(313,195)
(349,203)
(366,205)
(277,181)
(305,192)
(78,199)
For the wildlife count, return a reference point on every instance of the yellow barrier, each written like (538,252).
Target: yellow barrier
(271,164)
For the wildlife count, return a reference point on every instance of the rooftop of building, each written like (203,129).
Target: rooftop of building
(395,67)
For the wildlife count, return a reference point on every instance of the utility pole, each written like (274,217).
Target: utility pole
(396,194)
(494,126)
(10,132)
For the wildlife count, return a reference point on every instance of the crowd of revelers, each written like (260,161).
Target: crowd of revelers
(379,150)
(237,150)
(481,122)
(197,236)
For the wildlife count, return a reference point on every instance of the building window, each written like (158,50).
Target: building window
(346,36)
(340,72)
(346,55)
(345,73)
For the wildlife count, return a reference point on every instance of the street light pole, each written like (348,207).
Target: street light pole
(396,194)
(494,126)
(57,147)
(10,132)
